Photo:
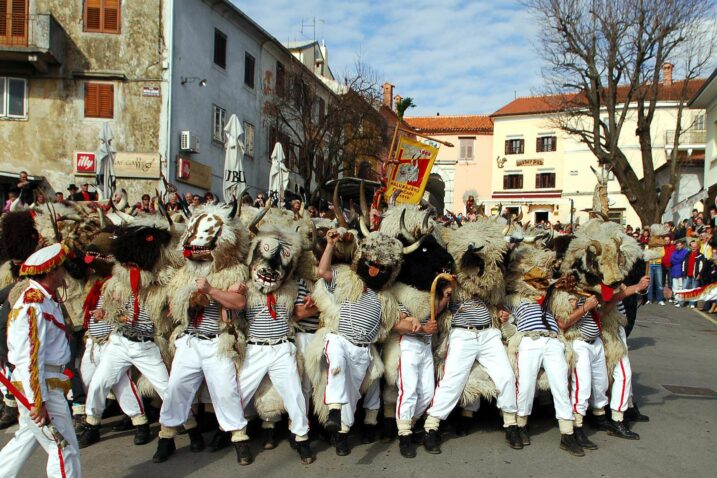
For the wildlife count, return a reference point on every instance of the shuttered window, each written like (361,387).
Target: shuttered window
(99,100)
(103,16)
(13,22)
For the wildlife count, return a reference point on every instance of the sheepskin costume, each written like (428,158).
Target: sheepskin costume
(376,248)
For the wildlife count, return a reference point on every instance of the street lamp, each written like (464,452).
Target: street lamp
(202,81)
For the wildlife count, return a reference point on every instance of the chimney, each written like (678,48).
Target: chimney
(396,100)
(667,74)
(388,95)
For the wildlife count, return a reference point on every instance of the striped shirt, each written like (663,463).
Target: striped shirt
(422,320)
(206,322)
(359,321)
(99,329)
(142,327)
(621,308)
(529,318)
(587,324)
(265,327)
(470,313)
(309,324)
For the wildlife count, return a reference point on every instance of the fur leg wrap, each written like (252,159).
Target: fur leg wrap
(167,432)
(140,419)
(92,420)
(301,438)
(389,410)
(522,421)
(239,435)
(190,423)
(566,427)
(334,406)
(598,411)
(578,421)
(10,402)
(617,416)
(371,417)
(432,423)
(78,408)
(404,427)
(509,419)
(466,413)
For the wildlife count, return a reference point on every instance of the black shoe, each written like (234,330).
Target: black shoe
(620,430)
(196,440)
(583,440)
(432,442)
(418,435)
(293,443)
(142,435)
(269,440)
(333,423)
(571,445)
(342,444)
(165,449)
(80,423)
(368,434)
(600,422)
(90,435)
(463,426)
(633,415)
(524,437)
(124,425)
(405,446)
(8,417)
(244,456)
(512,436)
(389,430)
(304,448)
(220,440)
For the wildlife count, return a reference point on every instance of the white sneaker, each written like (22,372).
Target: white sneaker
(692,307)
(677,305)
(648,302)
(662,302)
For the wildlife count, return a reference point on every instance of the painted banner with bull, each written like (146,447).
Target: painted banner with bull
(414,161)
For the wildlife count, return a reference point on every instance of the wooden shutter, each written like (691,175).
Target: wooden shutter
(13,22)
(91,100)
(111,16)
(538,144)
(93,15)
(99,100)
(554,143)
(507,146)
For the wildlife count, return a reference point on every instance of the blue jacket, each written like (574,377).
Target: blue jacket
(676,260)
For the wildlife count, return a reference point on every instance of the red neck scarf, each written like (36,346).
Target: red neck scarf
(90,304)
(134,282)
(271,304)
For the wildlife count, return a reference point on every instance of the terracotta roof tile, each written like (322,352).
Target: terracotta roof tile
(476,124)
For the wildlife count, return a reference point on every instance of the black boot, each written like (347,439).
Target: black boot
(220,440)
(165,449)
(571,445)
(620,430)
(142,435)
(342,444)
(582,439)
(244,456)
(196,440)
(600,422)
(405,446)
(432,442)
(524,437)
(90,435)
(389,429)
(333,423)
(463,425)
(304,448)
(368,434)
(80,422)
(8,417)
(269,440)
(123,425)
(512,436)
(633,414)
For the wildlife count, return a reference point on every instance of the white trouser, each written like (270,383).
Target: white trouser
(118,356)
(677,283)
(415,380)
(279,361)
(346,368)
(61,462)
(589,381)
(197,359)
(302,340)
(534,352)
(621,380)
(125,389)
(464,348)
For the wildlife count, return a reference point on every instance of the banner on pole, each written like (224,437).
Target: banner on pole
(414,161)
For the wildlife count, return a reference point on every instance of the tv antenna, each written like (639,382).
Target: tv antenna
(312,24)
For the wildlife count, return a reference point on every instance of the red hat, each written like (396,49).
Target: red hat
(45,260)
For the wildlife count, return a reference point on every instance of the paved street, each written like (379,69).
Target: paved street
(668,347)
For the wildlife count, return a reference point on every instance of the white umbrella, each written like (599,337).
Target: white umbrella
(278,175)
(106,157)
(234,183)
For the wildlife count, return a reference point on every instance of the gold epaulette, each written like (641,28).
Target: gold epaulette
(33,296)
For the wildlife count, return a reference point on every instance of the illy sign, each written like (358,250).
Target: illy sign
(85,163)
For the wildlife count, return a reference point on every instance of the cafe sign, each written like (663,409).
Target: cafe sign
(137,165)
(529,162)
(84,163)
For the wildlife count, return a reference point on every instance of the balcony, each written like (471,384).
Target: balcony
(689,137)
(30,42)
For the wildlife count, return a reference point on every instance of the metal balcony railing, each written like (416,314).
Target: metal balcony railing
(691,136)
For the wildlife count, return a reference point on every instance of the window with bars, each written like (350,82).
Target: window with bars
(513,181)
(220,49)
(219,119)
(249,65)
(700,122)
(546,144)
(249,139)
(99,100)
(466,149)
(545,181)
(514,146)
(13,97)
(13,22)
(103,16)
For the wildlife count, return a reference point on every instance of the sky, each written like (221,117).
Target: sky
(453,57)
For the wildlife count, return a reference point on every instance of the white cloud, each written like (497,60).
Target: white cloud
(451,56)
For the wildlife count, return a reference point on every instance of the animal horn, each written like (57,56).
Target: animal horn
(404,230)
(364,228)
(314,237)
(123,203)
(414,247)
(302,209)
(425,228)
(260,215)
(337,207)
(235,205)
(53,221)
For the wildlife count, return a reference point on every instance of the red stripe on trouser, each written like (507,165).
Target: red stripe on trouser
(134,391)
(577,389)
(328,368)
(622,393)
(62,461)
(400,379)
(517,376)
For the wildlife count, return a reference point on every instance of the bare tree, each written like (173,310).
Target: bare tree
(327,131)
(604,63)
